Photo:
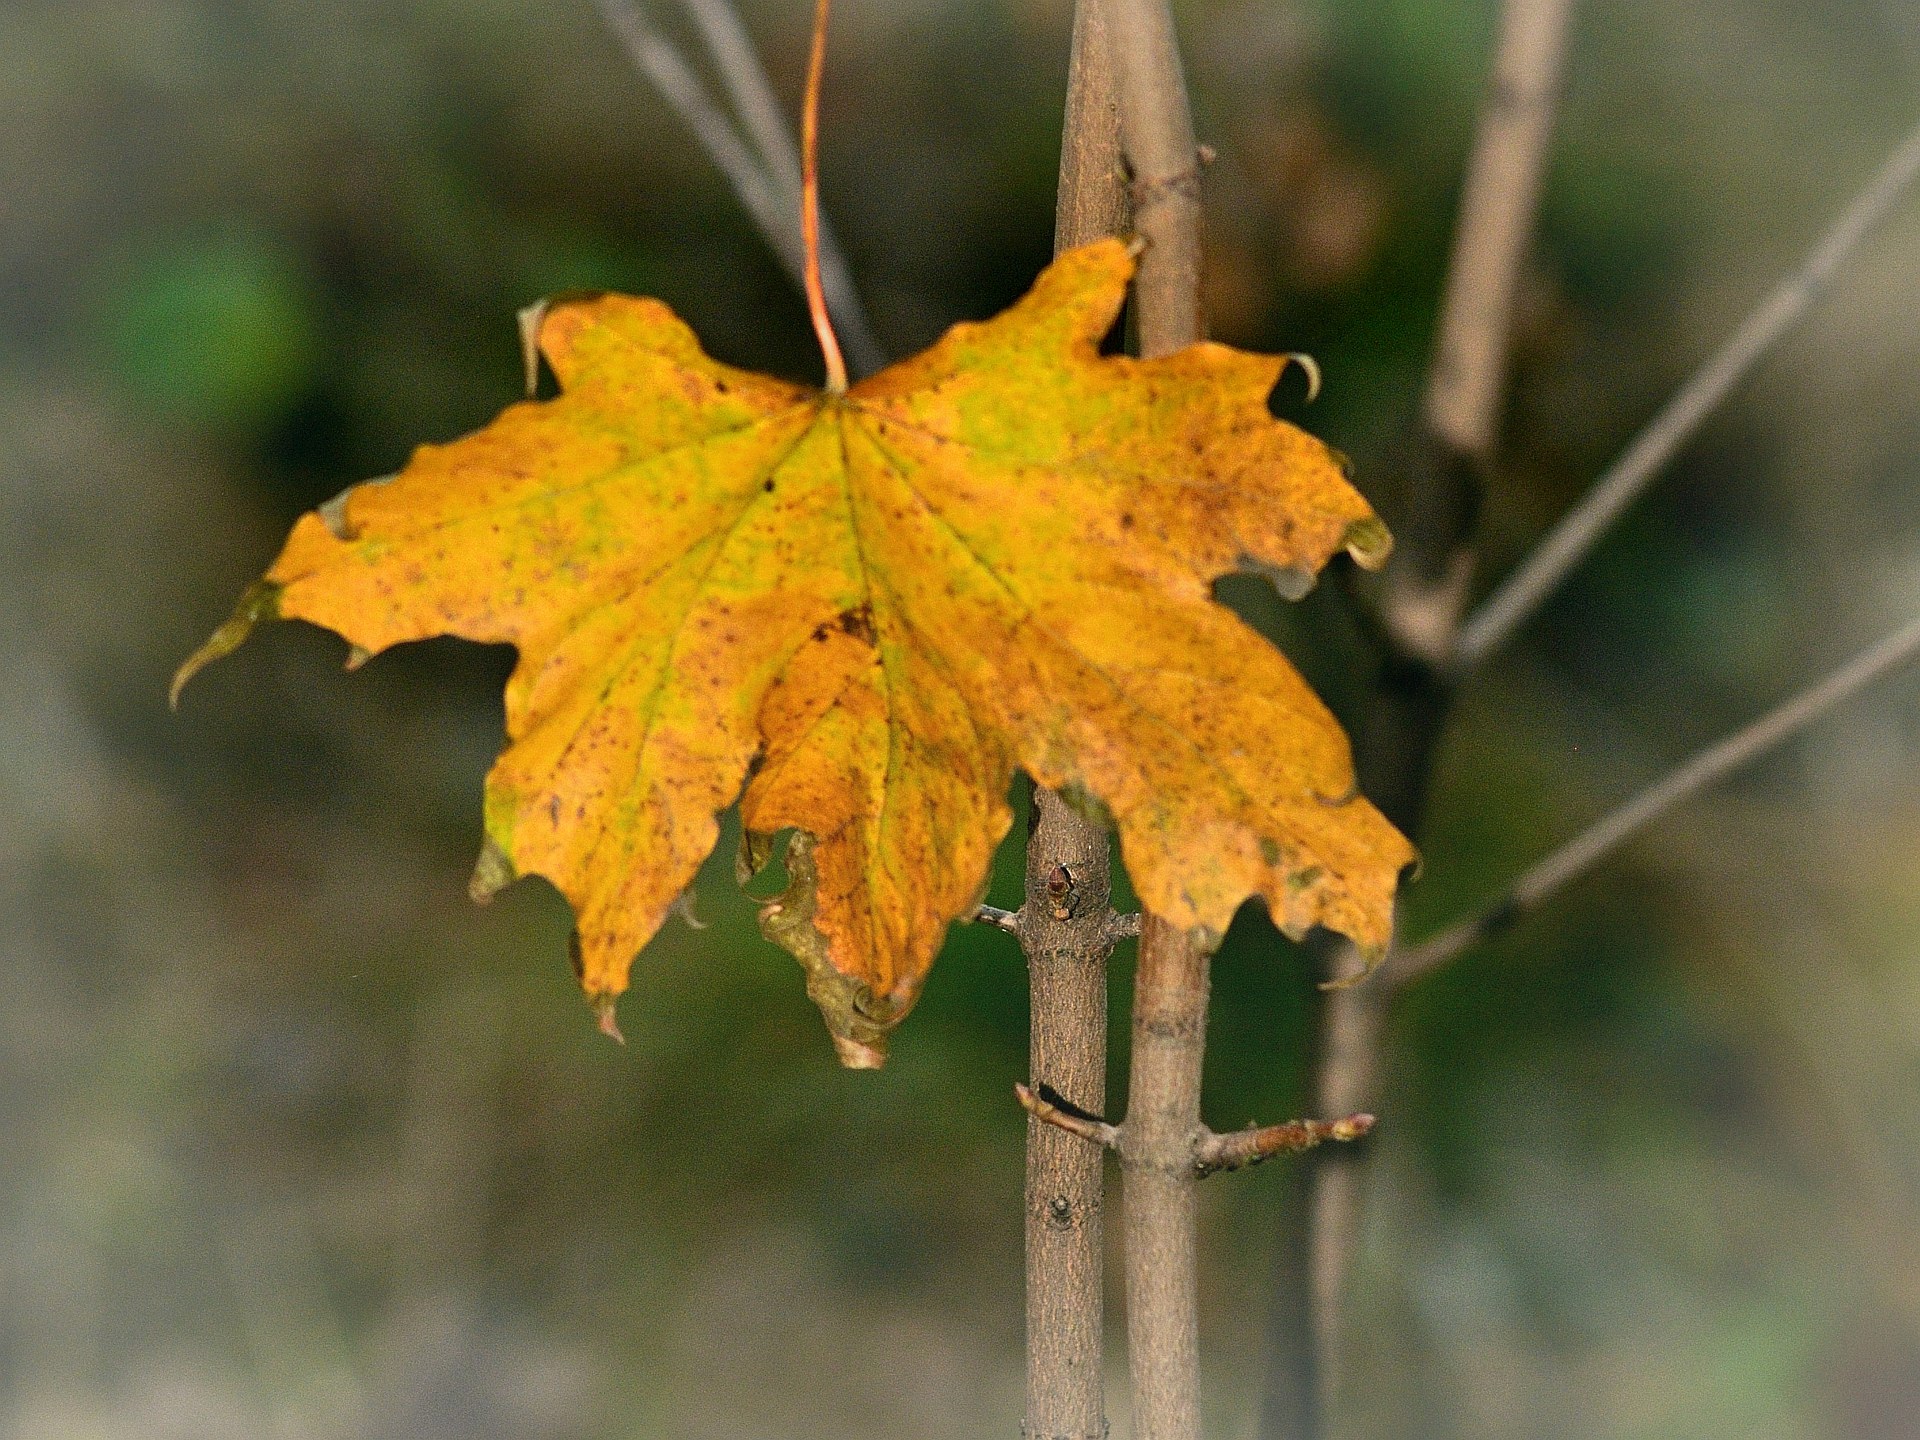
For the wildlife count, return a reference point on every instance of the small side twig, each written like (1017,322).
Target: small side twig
(747,86)
(1213,1153)
(1007,920)
(1517,597)
(1600,839)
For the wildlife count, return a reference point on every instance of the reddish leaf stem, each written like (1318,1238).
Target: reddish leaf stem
(810,203)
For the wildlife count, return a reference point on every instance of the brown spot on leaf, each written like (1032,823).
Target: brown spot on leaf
(857,622)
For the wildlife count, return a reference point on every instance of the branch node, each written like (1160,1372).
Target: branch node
(1061,1115)
(1181,184)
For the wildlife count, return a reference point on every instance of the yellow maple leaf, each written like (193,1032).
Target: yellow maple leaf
(859,612)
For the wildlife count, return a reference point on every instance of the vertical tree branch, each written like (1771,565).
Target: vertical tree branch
(1425,590)
(1156,126)
(1067,935)
(1170,989)
(1066,925)
(1497,206)
(1156,1163)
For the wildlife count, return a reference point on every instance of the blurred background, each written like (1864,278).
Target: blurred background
(297,1143)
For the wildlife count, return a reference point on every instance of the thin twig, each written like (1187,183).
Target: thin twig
(1213,1153)
(770,202)
(1581,528)
(748,87)
(1600,839)
(1007,920)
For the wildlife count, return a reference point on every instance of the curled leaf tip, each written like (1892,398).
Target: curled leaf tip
(755,851)
(683,907)
(357,655)
(1205,939)
(492,872)
(260,601)
(1368,542)
(1290,582)
(530,319)
(856,1018)
(603,1010)
(333,513)
(1311,367)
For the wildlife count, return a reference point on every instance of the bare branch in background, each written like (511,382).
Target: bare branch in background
(747,85)
(1600,839)
(1422,599)
(1497,206)
(1425,591)
(1581,528)
(769,189)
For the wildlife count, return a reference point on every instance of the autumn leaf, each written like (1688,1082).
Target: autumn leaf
(858,613)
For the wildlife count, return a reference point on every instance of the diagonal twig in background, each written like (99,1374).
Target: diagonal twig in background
(1602,838)
(762,165)
(1521,593)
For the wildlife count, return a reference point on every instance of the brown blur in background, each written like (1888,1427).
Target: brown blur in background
(297,1143)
